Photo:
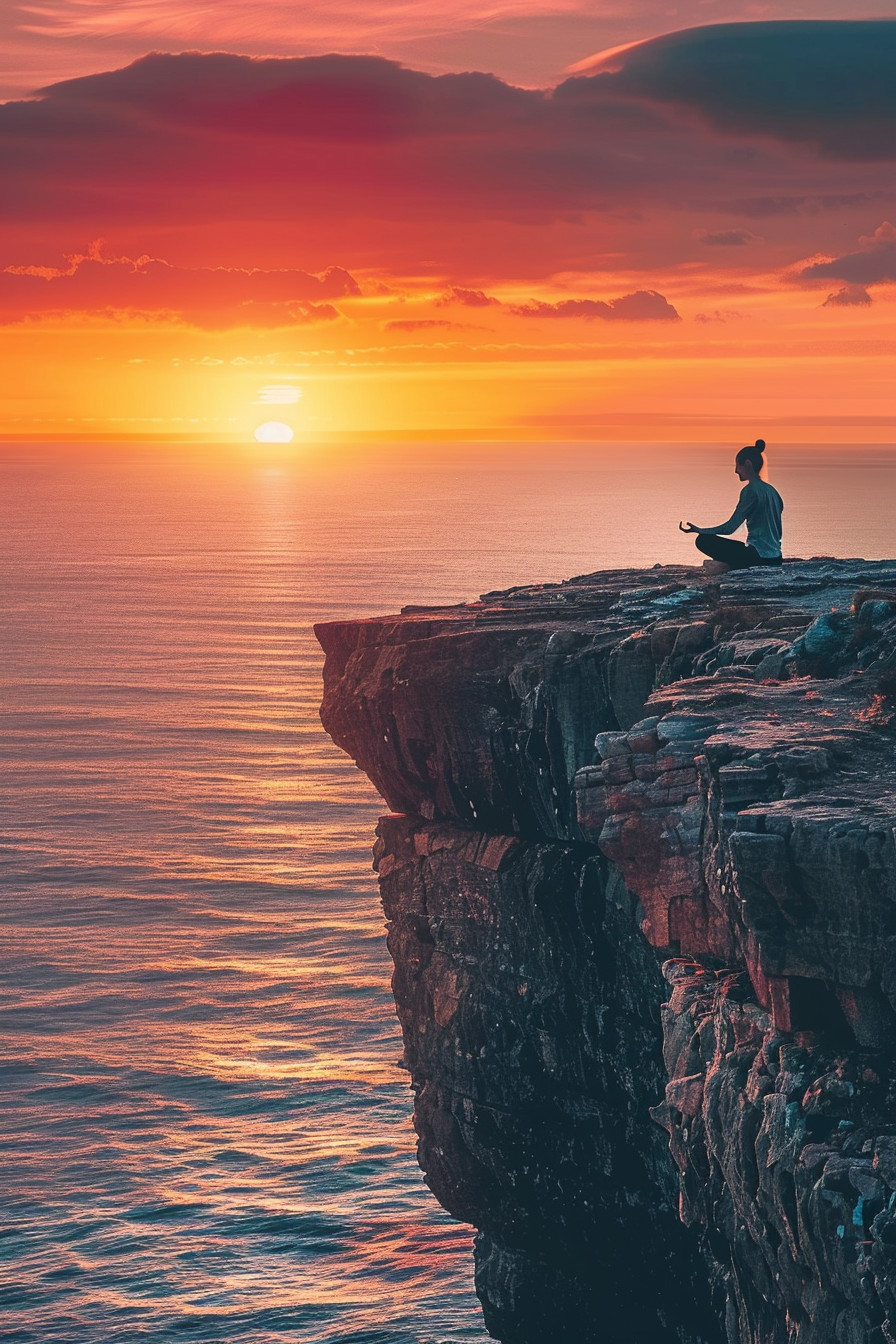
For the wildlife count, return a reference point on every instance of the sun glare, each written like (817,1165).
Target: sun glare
(274,431)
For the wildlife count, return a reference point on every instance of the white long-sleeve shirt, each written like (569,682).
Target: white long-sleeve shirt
(760,507)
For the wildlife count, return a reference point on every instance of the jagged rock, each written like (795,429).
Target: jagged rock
(789,1179)
(766,838)
(598,776)
(529,1010)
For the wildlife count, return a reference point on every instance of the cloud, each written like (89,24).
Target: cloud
(278,394)
(726,237)
(825,82)
(530,44)
(850,296)
(718,315)
(361,158)
(283,314)
(212,297)
(645,305)
(526,41)
(418,324)
(359,100)
(765,207)
(874,262)
(470,298)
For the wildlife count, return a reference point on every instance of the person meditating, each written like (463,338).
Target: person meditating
(760,507)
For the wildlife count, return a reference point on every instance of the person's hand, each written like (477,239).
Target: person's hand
(687,527)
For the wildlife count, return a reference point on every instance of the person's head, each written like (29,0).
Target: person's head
(749,461)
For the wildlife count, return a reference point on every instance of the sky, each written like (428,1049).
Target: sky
(512,221)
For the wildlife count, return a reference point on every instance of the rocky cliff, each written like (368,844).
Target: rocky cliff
(640,885)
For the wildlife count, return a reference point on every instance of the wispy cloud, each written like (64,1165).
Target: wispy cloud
(419,324)
(725,237)
(278,394)
(213,297)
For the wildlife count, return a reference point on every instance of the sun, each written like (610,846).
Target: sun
(274,431)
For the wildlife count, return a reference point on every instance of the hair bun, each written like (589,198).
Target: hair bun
(760,444)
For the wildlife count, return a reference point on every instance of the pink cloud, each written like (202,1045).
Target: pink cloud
(208,296)
(469,298)
(645,305)
(419,324)
(725,237)
(718,315)
(394,169)
(873,263)
(850,296)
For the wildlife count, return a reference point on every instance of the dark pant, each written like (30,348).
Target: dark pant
(732,553)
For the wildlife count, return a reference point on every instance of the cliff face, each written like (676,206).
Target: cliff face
(529,1014)
(641,893)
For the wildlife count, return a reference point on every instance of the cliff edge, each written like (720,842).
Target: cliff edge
(640,885)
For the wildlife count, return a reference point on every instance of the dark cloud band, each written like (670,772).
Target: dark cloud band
(399,169)
(826,82)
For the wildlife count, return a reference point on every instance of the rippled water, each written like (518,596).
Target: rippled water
(205,1132)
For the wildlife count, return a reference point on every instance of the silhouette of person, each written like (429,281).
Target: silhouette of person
(759,506)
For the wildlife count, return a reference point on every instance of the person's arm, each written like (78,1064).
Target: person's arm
(738,516)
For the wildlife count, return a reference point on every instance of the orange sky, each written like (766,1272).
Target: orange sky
(689,239)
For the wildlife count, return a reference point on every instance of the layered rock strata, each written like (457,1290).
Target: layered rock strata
(594,780)
(529,1015)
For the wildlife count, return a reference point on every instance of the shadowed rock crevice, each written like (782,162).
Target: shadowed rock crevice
(629,771)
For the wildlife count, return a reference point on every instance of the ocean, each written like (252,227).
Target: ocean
(206,1134)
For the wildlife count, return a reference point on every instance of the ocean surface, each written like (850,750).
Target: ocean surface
(205,1134)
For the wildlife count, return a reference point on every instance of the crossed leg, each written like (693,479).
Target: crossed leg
(734,554)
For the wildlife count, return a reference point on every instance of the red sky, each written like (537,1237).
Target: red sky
(693,234)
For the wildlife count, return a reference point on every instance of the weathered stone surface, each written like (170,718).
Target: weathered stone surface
(764,834)
(599,776)
(529,1010)
(483,713)
(784,1157)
